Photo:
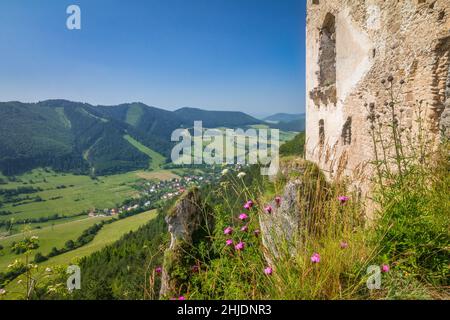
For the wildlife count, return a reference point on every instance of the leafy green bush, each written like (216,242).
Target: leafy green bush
(295,146)
(414,226)
(39,257)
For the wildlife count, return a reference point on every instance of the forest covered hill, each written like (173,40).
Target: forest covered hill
(82,138)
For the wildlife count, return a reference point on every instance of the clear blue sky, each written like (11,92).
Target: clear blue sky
(243,55)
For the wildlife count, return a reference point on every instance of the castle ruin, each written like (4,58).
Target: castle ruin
(352,45)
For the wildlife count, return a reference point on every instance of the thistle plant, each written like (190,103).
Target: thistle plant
(402,145)
(411,186)
(27,245)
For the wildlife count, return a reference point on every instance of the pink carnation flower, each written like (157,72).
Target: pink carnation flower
(268,209)
(385,268)
(248,205)
(195,268)
(343,199)
(256,232)
(268,271)
(243,216)
(228,230)
(244,228)
(315,258)
(240,246)
(158,269)
(278,200)
(344,245)
(229,242)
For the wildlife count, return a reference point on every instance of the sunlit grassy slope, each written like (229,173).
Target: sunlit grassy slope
(107,235)
(49,237)
(157,160)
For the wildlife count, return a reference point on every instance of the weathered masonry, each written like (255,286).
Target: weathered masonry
(351,46)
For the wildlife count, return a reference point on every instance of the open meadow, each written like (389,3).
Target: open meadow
(106,236)
(49,237)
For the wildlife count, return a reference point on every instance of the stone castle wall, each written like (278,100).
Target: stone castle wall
(352,45)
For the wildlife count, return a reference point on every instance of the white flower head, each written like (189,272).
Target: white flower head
(48,269)
(14,264)
(2,292)
(224,171)
(241,175)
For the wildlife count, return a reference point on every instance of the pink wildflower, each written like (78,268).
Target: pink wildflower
(240,246)
(195,268)
(344,245)
(244,228)
(248,205)
(181,298)
(278,200)
(158,269)
(268,209)
(343,199)
(268,271)
(229,242)
(228,230)
(385,268)
(243,216)
(256,232)
(315,258)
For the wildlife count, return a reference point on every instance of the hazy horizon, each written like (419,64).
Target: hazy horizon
(255,115)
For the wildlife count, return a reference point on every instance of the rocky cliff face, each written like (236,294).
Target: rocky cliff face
(184,219)
(187,219)
(282,230)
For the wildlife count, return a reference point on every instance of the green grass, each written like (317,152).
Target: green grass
(287,136)
(157,160)
(107,235)
(49,237)
(81,193)
(284,135)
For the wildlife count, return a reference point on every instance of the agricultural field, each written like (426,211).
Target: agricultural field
(106,236)
(158,175)
(69,195)
(49,237)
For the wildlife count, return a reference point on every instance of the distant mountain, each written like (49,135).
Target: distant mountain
(65,135)
(295,125)
(214,119)
(82,138)
(285,117)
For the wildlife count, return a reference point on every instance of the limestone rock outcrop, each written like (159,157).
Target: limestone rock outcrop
(186,221)
(284,229)
(280,229)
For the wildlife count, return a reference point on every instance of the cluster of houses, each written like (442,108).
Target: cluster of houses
(171,188)
(153,192)
(114,211)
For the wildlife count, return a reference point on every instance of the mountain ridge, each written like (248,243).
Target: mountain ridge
(84,138)
(284,117)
